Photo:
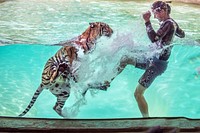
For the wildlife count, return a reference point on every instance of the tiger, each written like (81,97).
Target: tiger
(61,68)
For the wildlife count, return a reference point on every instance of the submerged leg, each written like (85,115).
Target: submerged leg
(61,99)
(99,86)
(142,104)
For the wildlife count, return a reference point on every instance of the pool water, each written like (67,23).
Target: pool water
(28,27)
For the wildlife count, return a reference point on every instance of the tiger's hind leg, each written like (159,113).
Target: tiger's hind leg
(61,98)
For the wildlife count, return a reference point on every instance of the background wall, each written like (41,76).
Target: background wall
(189,1)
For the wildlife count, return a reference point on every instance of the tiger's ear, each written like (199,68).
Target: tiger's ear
(92,25)
(102,24)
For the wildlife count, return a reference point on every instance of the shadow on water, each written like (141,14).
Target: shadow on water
(1,1)
(198,40)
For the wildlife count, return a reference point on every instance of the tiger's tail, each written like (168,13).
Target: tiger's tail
(34,98)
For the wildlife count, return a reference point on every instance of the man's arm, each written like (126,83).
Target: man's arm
(162,31)
(180,33)
(150,31)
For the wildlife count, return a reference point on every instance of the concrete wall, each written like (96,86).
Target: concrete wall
(189,1)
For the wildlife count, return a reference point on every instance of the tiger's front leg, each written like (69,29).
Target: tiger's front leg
(99,86)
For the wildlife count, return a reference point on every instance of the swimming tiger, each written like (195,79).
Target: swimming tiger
(61,68)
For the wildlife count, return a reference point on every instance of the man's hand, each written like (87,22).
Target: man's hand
(146,16)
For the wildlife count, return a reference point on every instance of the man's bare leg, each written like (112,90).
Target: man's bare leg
(142,104)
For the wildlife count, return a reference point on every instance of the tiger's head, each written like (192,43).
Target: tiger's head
(94,32)
(99,29)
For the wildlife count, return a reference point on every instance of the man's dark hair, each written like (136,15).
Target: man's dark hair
(161,5)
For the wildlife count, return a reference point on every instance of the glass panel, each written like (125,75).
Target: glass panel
(28,27)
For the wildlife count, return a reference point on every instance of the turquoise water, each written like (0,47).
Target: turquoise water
(26,26)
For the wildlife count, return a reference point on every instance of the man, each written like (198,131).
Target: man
(157,64)
(161,40)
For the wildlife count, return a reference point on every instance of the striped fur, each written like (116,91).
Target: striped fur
(59,69)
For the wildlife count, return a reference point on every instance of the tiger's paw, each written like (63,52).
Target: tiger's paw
(100,86)
(63,67)
(64,114)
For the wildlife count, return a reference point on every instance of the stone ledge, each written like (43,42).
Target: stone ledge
(164,124)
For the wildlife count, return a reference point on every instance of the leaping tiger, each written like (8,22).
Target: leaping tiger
(60,68)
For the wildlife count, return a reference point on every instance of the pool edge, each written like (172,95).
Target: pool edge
(168,124)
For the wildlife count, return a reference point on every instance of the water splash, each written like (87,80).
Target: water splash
(72,111)
(101,65)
